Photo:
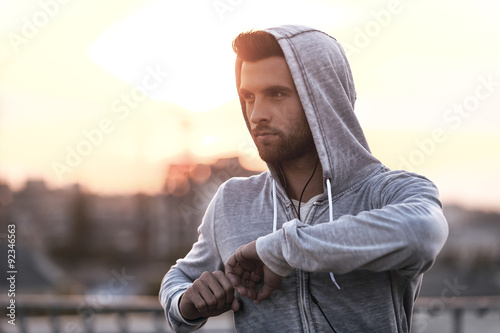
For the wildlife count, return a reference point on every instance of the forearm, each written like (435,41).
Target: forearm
(405,236)
(181,276)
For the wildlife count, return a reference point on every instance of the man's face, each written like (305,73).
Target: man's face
(278,125)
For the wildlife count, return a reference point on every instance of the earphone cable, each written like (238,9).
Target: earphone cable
(304,189)
(315,301)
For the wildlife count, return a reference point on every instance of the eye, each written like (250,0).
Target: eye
(277,94)
(249,98)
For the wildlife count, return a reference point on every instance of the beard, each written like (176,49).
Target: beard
(286,146)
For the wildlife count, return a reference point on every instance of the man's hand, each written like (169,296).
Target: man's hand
(245,270)
(209,295)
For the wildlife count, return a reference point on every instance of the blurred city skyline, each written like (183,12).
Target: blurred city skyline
(69,239)
(109,94)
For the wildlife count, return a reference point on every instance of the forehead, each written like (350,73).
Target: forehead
(266,72)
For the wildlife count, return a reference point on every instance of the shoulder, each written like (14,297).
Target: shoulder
(241,190)
(395,185)
(236,186)
(401,178)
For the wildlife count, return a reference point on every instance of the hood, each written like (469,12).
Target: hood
(324,83)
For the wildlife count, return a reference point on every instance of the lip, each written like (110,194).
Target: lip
(264,135)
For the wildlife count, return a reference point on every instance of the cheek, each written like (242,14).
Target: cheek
(292,111)
(298,110)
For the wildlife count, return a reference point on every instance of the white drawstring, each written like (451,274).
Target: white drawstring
(275,208)
(330,211)
(330,205)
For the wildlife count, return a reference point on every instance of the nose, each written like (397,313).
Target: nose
(258,112)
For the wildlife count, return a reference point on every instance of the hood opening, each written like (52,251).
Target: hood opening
(324,82)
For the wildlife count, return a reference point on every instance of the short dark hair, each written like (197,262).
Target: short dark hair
(256,45)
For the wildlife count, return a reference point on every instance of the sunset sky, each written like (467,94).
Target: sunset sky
(108,93)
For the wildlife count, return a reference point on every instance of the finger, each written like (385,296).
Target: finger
(209,299)
(230,274)
(241,290)
(247,292)
(256,276)
(239,270)
(249,284)
(226,286)
(251,292)
(208,288)
(234,279)
(236,305)
(238,276)
(245,274)
(218,301)
(198,302)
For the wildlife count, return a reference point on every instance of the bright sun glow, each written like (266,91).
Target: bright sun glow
(198,60)
(210,140)
(132,86)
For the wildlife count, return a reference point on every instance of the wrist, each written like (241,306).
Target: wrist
(186,311)
(268,249)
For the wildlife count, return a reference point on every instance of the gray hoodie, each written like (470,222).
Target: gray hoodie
(362,249)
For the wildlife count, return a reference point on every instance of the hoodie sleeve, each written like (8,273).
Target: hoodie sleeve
(406,234)
(202,257)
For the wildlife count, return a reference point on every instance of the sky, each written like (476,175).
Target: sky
(109,93)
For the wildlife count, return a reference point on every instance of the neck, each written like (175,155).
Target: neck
(298,172)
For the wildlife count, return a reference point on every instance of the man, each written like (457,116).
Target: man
(327,240)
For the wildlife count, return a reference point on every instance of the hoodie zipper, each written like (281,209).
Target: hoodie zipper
(302,277)
(303,294)
(303,287)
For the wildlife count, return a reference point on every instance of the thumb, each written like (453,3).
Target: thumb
(236,305)
(263,293)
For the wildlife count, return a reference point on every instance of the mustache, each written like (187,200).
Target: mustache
(264,129)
